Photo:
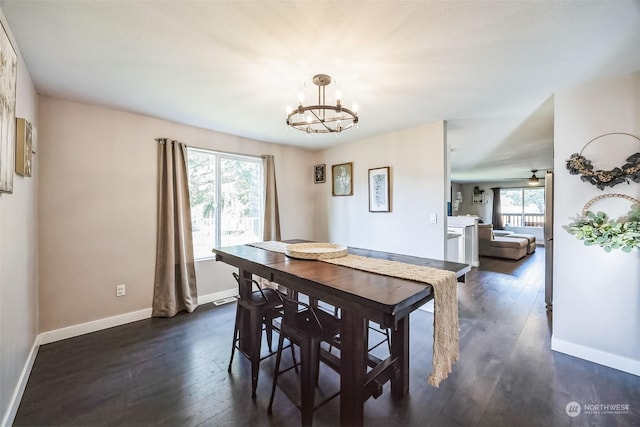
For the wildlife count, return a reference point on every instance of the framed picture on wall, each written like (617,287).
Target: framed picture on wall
(319,174)
(9,70)
(379,190)
(342,179)
(23,147)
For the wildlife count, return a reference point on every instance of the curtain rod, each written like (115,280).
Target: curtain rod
(229,153)
(226,153)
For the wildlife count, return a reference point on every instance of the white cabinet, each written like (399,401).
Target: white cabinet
(455,246)
(467,226)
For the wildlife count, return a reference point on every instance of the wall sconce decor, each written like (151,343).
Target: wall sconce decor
(478,196)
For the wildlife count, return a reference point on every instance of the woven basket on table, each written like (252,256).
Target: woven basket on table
(316,250)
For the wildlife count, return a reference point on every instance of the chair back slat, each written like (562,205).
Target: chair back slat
(242,290)
(292,307)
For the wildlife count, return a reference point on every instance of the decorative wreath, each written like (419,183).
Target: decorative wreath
(580,165)
(598,229)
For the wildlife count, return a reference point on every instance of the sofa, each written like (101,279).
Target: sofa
(500,246)
(531,248)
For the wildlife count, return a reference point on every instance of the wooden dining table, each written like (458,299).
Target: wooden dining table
(362,297)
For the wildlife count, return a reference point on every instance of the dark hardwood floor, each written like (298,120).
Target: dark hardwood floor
(173,372)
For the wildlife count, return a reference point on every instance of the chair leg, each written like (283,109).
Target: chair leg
(256,339)
(293,357)
(386,333)
(268,325)
(310,366)
(277,371)
(316,350)
(335,314)
(235,337)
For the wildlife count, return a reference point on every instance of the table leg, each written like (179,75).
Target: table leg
(353,340)
(400,350)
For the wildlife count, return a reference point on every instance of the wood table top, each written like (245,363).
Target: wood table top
(340,285)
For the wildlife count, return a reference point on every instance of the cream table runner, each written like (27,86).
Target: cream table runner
(445,288)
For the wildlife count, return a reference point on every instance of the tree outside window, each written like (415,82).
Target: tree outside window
(226,200)
(522,207)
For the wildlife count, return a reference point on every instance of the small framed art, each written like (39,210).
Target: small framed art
(379,190)
(342,179)
(23,147)
(319,174)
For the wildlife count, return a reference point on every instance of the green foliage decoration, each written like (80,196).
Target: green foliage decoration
(597,229)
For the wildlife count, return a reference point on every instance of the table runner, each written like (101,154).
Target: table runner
(445,288)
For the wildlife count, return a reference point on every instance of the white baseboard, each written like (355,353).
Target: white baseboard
(81,329)
(14,403)
(621,363)
(93,326)
(121,319)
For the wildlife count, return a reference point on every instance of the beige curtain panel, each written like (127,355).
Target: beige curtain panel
(175,282)
(271,211)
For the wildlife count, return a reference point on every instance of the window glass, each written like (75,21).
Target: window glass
(511,200)
(534,200)
(226,200)
(240,205)
(522,207)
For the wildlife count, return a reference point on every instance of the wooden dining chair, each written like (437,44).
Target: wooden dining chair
(259,307)
(307,327)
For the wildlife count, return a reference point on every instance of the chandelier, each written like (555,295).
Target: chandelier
(322,118)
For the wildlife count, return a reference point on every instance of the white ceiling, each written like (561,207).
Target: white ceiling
(489,68)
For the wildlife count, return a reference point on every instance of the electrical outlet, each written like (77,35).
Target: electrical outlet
(121,290)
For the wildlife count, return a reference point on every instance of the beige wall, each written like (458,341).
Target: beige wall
(596,305)
(97,203)
(419,187)
(18,260)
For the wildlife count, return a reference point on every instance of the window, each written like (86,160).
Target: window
(226,200)
(522,207)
